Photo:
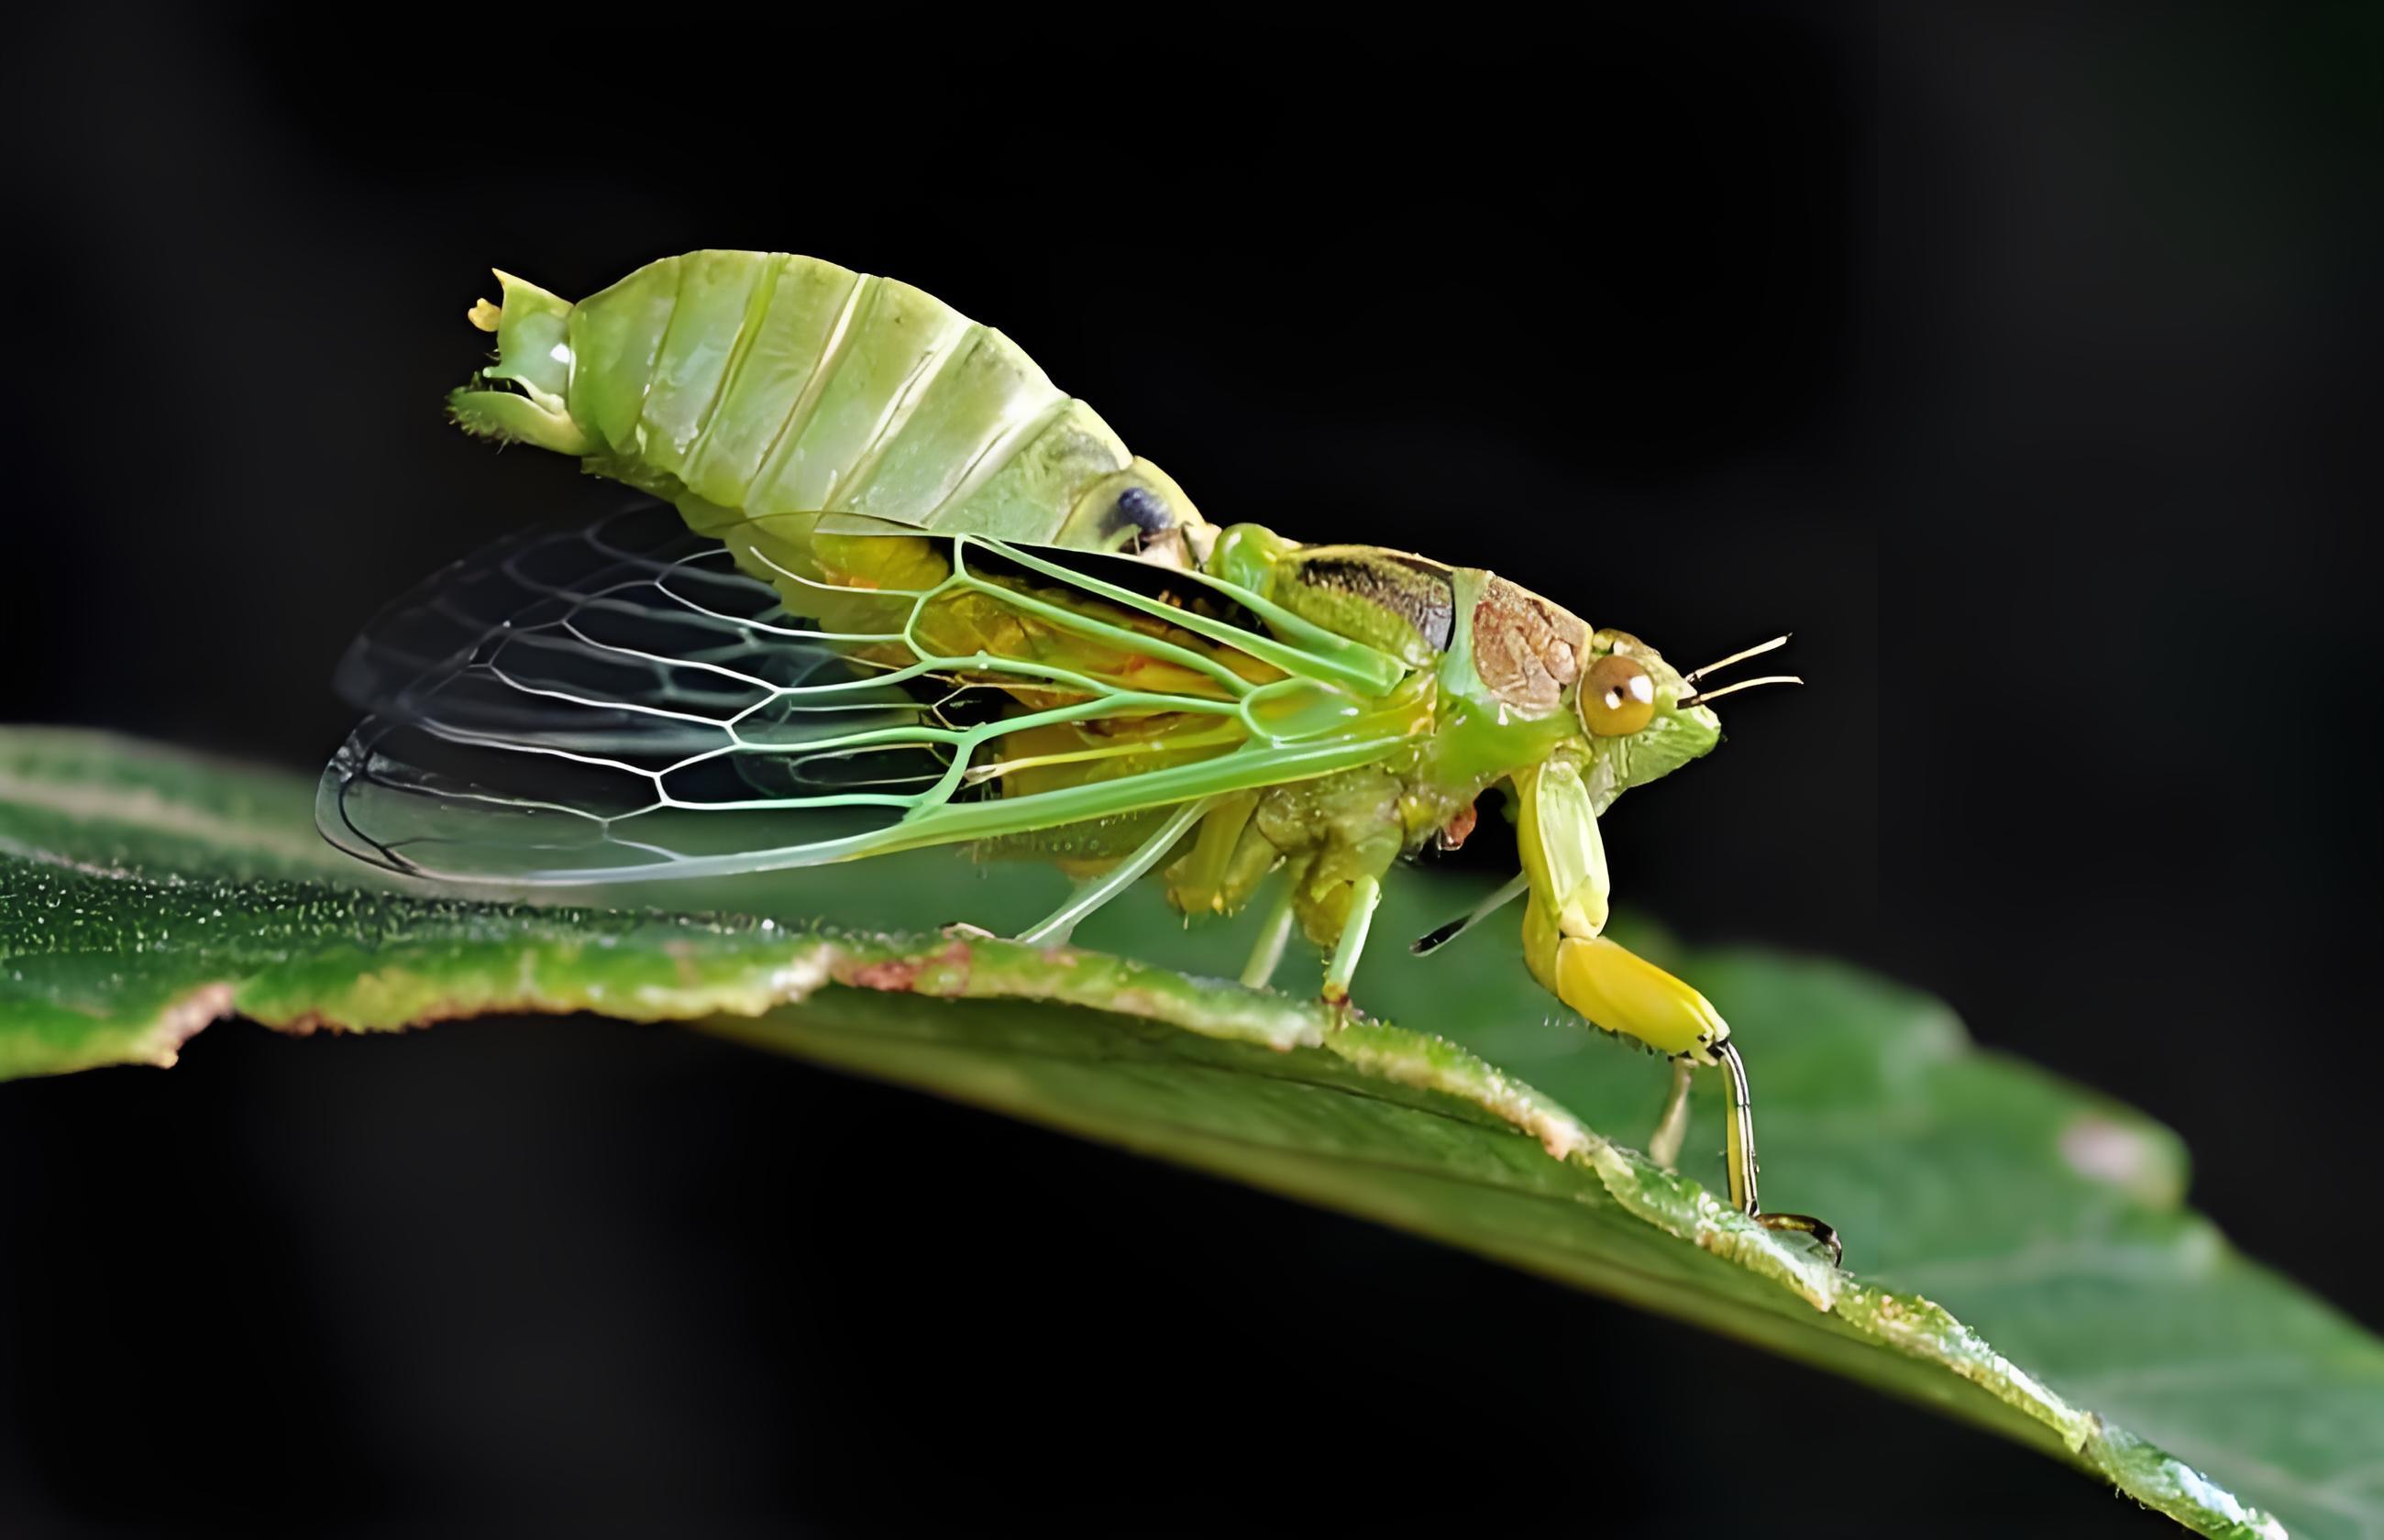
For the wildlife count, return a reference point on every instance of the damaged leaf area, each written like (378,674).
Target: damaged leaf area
(144,893)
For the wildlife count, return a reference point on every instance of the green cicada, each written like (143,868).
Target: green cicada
(912,594)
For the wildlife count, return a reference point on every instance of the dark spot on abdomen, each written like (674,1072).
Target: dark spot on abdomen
(1143,508)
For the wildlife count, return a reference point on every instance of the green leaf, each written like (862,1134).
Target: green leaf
(144,892)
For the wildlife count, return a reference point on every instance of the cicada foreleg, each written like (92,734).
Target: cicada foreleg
(1621,992)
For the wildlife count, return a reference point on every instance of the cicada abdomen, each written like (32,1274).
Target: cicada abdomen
(743,385)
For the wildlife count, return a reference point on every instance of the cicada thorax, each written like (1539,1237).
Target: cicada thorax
(1402,604)
(756,384)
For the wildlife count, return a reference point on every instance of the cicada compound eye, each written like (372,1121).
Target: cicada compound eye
(1617,697)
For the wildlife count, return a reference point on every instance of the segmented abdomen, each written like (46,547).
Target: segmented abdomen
(763,383)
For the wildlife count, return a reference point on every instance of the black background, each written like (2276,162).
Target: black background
(2017,360)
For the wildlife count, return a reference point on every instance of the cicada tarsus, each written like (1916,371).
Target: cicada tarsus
(912,594)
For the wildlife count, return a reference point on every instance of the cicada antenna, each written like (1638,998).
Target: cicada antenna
(1701,696)
(1693,675)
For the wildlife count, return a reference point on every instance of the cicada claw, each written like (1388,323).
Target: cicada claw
(1740,1152)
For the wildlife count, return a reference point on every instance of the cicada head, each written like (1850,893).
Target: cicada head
(1640,715)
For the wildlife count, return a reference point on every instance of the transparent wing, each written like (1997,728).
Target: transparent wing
(624,701)
(568,706)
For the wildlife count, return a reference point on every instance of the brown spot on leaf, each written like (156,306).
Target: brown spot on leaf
(901,974)
(897,974)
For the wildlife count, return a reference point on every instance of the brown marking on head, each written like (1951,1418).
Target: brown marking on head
(1453,833)
(1525,648)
